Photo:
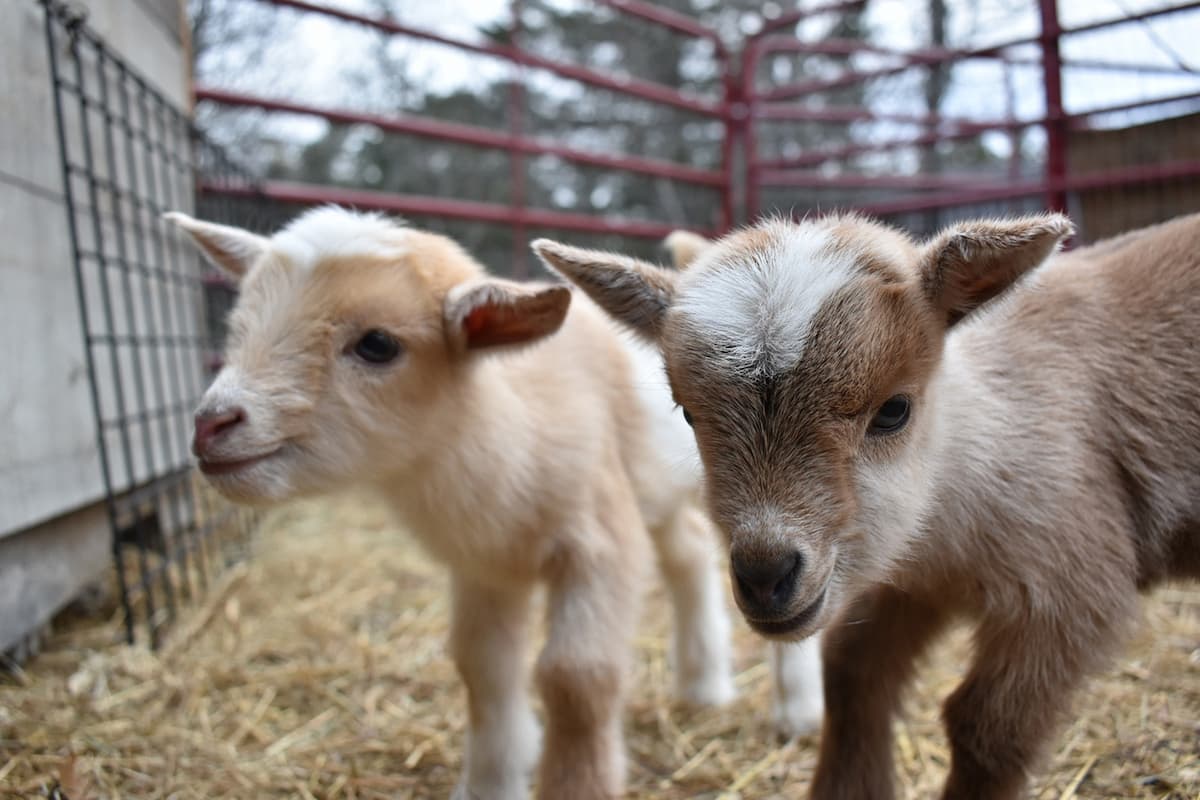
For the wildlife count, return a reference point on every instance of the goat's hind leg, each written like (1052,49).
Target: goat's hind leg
(489,638)
(688,552)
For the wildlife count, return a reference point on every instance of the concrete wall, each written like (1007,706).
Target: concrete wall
(44,567)
(53,536)
(48,459)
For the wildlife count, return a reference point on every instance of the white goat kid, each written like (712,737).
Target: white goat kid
(366,353)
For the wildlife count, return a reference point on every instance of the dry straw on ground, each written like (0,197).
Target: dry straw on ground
(318,670)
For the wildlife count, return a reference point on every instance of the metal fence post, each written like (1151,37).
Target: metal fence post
(1056,124)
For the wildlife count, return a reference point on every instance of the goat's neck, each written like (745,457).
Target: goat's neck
(978,447)
(484,434)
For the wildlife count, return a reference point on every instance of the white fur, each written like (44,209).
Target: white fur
(506,475)
(895,496)
(757,314)
(674,458)
(700,648)
(332,232)
(502,747)
(799,704)
(703,667)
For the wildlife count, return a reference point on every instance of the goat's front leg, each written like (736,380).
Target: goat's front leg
(592,609)
(868,658)
(488,640)
(798,704)
(1019,686)
(687,556)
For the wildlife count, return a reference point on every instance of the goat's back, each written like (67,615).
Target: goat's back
(621,383)
(1104,342)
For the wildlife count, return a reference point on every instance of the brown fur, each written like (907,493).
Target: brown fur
(1050,468)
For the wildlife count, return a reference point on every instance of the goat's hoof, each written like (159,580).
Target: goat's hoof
(463,791)
(709,692)
(798,719)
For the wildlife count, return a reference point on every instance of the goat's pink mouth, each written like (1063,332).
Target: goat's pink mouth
(787,627)
(218,467)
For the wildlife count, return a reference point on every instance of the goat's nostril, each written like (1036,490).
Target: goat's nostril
(767,584)
(785,586)
(211,424)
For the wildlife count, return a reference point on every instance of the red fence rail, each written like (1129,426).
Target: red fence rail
(512,141)
(777,103)
(744,107)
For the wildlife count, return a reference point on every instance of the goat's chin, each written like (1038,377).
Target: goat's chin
(808,617)
(265,484)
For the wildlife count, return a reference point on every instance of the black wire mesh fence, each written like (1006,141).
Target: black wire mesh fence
(151,315)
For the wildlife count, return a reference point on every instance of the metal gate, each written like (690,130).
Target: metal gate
(765,168)
(1049,163)
(128,155)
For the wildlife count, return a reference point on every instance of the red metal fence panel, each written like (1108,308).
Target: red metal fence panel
(513,142)
(749,180)
(826,177)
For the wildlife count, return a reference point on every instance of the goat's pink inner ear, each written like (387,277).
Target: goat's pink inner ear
(515,320)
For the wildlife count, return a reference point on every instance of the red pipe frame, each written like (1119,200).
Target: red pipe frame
(518,145)
(646,90)
(1056,121)
(933,56)
(468,134)
(1056,130)
(417,205)
(739,107)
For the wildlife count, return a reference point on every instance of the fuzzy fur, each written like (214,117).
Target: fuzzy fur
(519,435)
(1049,470)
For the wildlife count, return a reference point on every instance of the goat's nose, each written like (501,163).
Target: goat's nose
(211,424)
(766,584)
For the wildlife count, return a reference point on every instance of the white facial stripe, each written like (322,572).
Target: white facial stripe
(758,315)
(332,232)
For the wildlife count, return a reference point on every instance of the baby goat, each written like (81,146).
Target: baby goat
(366,353)
(884,455)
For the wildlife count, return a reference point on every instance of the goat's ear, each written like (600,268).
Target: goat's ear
(232,250)
(685,247)
(970,263)
(633,292)
(497,313)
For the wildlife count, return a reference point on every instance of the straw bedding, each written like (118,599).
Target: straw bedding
(318,670)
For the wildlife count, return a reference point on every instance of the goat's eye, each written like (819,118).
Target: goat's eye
(687,417)
(891,416)
(377,347)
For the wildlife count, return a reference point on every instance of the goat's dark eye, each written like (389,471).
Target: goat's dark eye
(377,347)
(687,417)
(891,416)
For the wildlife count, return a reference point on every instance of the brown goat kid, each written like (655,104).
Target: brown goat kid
(885,455)
(520,436)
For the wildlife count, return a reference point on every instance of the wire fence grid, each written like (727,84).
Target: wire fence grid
(151,314)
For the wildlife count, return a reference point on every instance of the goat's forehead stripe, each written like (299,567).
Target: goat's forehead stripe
(755,310)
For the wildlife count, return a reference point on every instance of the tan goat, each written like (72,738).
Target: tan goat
(884,456)
(366,353)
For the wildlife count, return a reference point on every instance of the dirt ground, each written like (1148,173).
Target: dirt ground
(318,670)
